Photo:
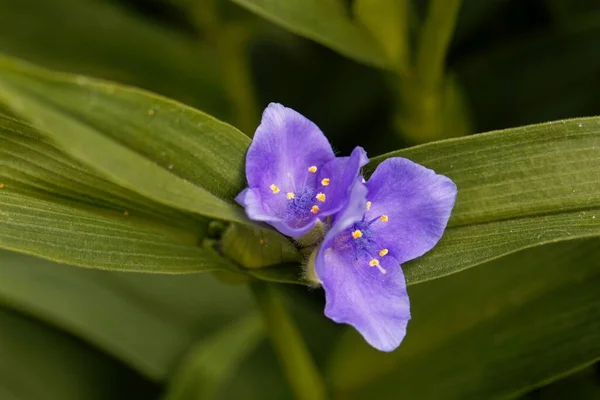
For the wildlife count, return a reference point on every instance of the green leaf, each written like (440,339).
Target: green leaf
(210,364)
(517,188)
(110,309)
(491,332)
(324,21)
(31,163)
(253,247)
(161,149)
(387,21)
(106,40)
(38,362)
(89,236)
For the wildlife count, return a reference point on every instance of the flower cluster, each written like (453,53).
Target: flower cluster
(372,227)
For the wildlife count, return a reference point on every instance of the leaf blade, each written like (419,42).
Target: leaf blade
(305,18)
(164,150)
(534,183)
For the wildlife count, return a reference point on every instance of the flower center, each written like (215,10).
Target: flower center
(301,206)
(361,240)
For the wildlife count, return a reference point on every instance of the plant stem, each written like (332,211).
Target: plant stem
(229,41)
(298,366)
(435,38)
(428,99)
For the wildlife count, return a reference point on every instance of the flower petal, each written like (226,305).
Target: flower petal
(374,303)
(341,173)
(251,200)
(285,143)
(417,203)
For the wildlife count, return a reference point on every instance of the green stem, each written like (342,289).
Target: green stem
(432,106)
(434,41)
(298,366)
(230,41)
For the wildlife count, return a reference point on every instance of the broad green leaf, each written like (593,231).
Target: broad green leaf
(517,188)
(324,21)
(210,364)
(29,162)
(491,332)
(39,362)
(105,40)
(253,247)
(164,150)
(147,321)
(89,236)
(387,21)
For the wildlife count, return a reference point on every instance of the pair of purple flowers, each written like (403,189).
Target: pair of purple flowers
(372,227)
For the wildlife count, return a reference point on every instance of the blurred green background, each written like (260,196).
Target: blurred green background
(68,333)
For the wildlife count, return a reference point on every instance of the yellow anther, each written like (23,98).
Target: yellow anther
(274,188)
(290,195)
(384,218)
(369,205)
(314,209)
(325,181)
(312,169)
(356,234)
(375,263)
(383,252)
(320,197)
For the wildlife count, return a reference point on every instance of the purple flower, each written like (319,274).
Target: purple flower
(398,215)
(293,176)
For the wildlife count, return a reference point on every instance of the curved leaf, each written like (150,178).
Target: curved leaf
(30,162)
(161,149)
(324,21)
(92,237)
(517,188)
(106,40)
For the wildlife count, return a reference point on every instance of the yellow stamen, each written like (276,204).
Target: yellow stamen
(320,197)
(314,209)
(383,252)
(375,263)
(356,234)
(384,218)
(369,205)
(290,195)
(325,181)
(274,188)
(312,169)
